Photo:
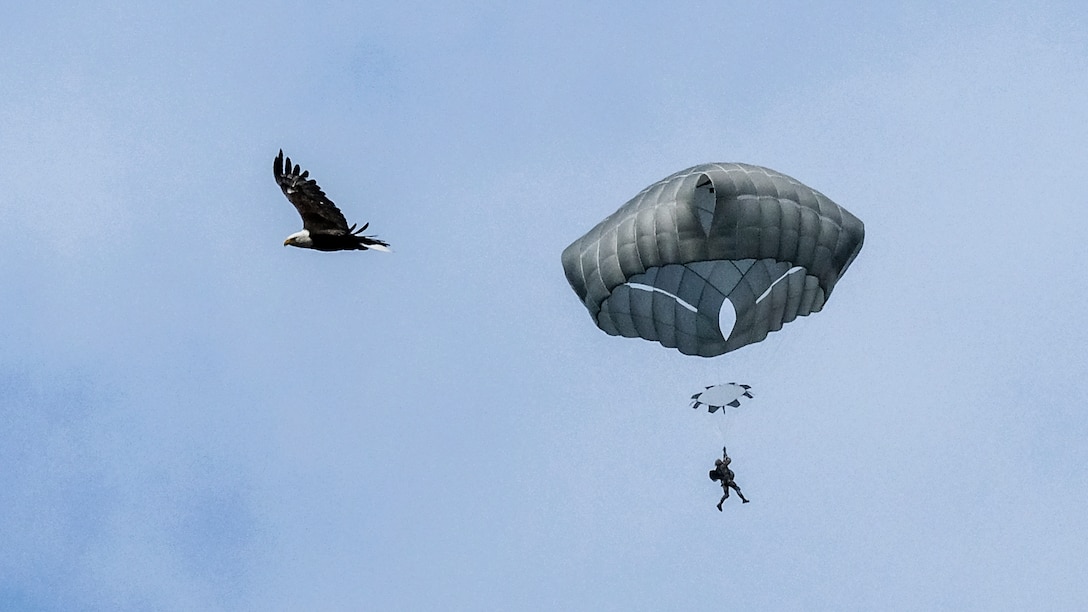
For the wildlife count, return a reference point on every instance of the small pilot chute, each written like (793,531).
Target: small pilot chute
(718,397)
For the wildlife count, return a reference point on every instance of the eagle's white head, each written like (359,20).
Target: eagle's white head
(299,239)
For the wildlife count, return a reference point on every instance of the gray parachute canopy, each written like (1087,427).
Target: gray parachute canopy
(713,258)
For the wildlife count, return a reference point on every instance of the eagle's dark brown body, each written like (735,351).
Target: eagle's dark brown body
(324,226)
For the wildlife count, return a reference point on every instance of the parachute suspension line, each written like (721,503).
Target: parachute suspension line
(776,348)
(720,426)
(727,424)
(799,332)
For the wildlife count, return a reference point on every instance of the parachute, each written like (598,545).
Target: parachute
(719,397)
(713,258)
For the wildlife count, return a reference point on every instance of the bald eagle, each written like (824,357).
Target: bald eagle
(323,225)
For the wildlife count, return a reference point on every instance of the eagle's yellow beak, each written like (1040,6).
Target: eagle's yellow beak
(286,242)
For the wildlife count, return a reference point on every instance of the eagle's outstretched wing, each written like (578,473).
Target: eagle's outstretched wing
(319,214)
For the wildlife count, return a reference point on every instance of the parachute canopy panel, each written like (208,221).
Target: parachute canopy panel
(713,258)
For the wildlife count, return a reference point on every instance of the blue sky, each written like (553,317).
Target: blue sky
(194,417)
